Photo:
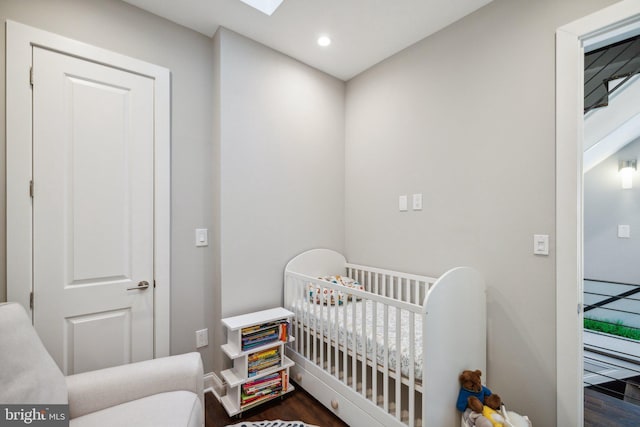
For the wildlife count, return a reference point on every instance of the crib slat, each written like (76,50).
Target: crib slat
(336,334)
(364,348)
(354,352)
(398,370)
(308,319)
(299,291)
(326,299)
(412,365)
(312,324)
(303,293)
(329,366)
(374,354)
(329,335)
(304,311)
(293,306)
(416,296)
(368,286)
(345,352)
(375,283)
(385,378)
(384,285)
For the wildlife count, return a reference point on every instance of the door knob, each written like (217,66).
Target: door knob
(141,285)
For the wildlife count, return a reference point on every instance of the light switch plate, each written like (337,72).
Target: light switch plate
(541,244)
(202,237)
(624,231)
(417,202)
(402,203)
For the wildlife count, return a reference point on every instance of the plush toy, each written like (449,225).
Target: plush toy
(481,408)
(477,402)
(471,386)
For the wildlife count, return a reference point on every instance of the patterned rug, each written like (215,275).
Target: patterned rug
(274,423)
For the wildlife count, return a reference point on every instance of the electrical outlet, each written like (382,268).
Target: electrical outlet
(202,338)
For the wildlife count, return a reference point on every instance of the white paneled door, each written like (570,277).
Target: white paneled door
(93,211)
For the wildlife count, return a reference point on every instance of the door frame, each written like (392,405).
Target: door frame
(593,31)
(20,39)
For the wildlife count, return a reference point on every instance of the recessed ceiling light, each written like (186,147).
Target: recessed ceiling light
(324,41)
(265,6)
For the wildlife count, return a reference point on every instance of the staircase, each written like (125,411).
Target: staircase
(612,363)
(607,69)
(607,130)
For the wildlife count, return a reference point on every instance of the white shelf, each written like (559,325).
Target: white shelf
(256,318)
(239,373)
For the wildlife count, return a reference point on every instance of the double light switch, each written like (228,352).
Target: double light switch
(416,202)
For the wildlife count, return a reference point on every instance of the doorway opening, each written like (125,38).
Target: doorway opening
(611,281)
(615,23)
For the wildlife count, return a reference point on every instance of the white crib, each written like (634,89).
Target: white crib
(369,369)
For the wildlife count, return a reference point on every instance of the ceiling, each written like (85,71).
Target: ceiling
(363,32)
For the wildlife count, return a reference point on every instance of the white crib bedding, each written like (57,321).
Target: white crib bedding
(317,312)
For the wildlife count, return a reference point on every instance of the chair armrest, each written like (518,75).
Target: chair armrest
(104,388)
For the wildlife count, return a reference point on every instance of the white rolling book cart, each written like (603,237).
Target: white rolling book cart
(260,371)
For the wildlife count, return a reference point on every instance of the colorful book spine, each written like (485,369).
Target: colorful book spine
(258,335)
(260,361)
(264,388)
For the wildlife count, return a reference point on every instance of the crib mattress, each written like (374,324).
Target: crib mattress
(315,314)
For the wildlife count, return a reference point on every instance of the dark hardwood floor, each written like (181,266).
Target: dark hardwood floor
(601,410)
(295,406)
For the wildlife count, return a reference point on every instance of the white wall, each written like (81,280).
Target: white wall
(119,27)
(606,204)
(466,117)
(281,163)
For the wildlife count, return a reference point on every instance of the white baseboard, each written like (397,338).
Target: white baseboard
(214,384)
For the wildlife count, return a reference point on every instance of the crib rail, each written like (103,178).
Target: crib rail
(332,333)
(400,286)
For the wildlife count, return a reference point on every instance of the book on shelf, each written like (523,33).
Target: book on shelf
(263,360)
(264,388)
(257,335)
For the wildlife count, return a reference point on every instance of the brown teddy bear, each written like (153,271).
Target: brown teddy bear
(477,402)
(471,385)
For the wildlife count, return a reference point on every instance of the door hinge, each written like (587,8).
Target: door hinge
(31,76)
(31,300)
(31,189)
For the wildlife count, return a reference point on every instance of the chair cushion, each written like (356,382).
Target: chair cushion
(171,409)
(28,374)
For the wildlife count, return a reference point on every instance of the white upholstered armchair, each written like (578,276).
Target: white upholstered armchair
(160,392)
